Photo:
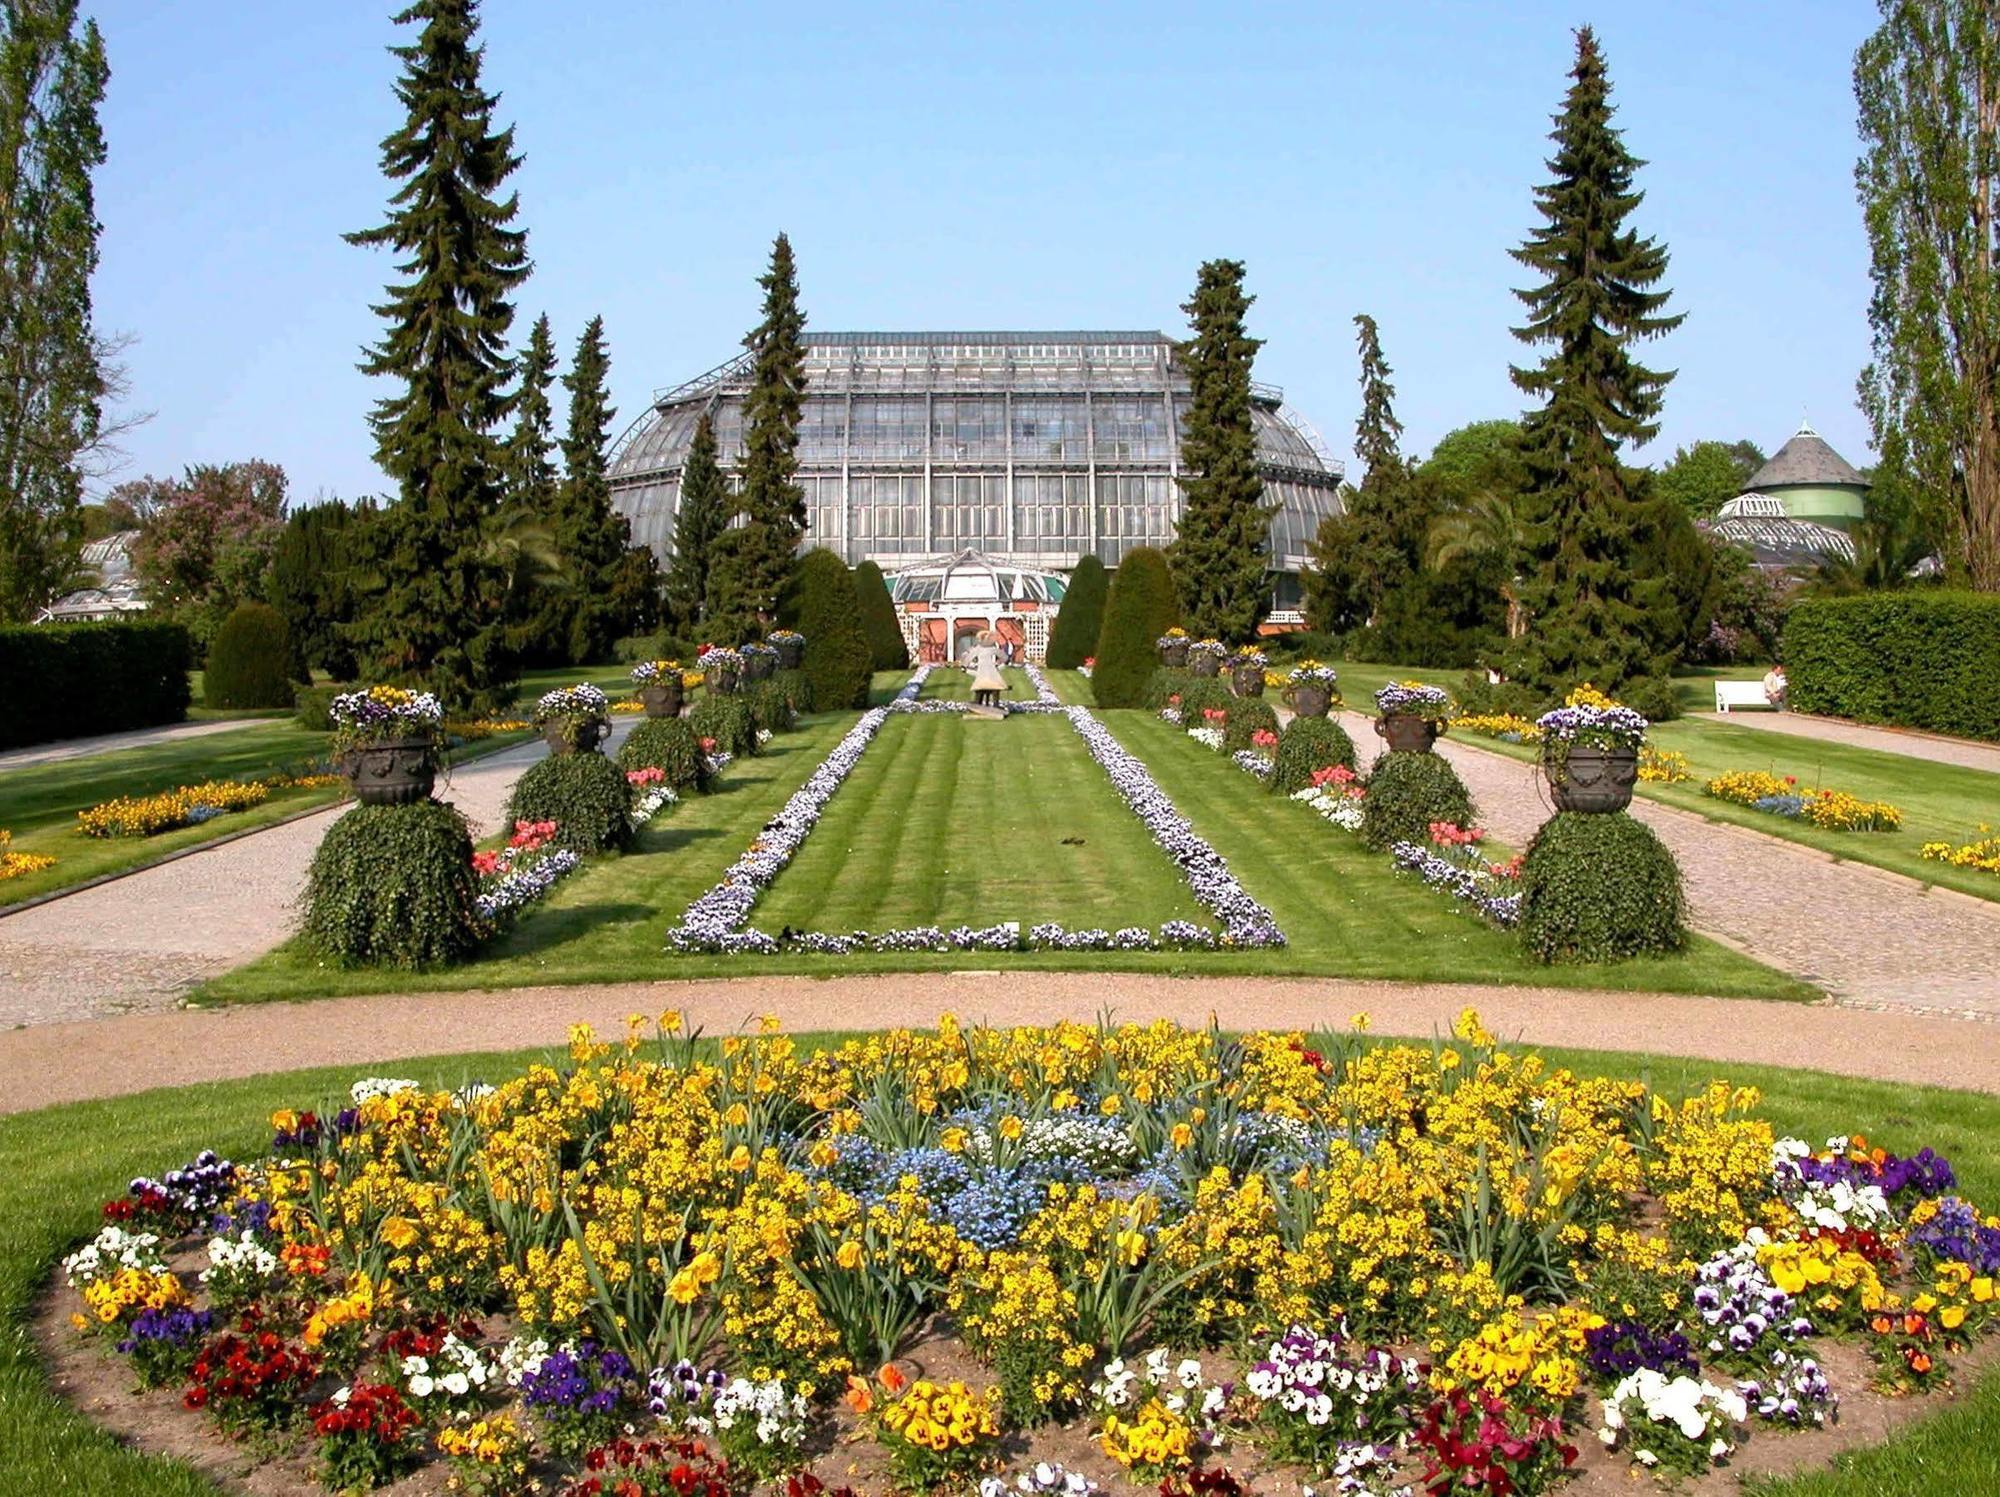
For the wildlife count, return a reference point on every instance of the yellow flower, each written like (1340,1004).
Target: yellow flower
(849,1254)
(1010,1127)
(1359,1022)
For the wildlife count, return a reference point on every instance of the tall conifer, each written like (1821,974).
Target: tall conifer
(699,517)
(531,450)
(590,536)
(1589,588)
(439,613)
(1218,554)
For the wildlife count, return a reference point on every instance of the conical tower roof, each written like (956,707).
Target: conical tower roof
(1805,460)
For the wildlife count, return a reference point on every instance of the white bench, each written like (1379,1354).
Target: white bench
(1740,694)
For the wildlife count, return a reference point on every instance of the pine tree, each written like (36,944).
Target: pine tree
(757,558)
(439,613)
(699,517)
(1377,432)
(1218,555)
(1073,640)
(591,537)
(53,376)
(1587,590)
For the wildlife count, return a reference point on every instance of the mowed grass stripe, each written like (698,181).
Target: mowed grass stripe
(949,683)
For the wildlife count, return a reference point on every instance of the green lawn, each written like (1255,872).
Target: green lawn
(1347,912)
(57,1165)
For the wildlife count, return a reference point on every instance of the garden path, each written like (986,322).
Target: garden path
(50,1063)
(1932,746)
(139,942)
(1870,938)
(105,743)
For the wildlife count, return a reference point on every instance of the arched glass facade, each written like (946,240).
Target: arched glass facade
(1039,447)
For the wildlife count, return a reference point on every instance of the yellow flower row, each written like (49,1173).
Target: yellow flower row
(1663,766)
(1833,810)
(1498,725)
(144,815)
(14,864)
(1983,855)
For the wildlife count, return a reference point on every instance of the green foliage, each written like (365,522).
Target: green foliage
(250,663)
(1201,694)
(699,519)
(1447,617)
(1481,457)
(1702,478)
(392,886)
(585,795)
(439,612)
(878,619)
(1927,660)
(1598,888)
(1081,618)
(1248,716)
(1139,609)
(309,585)
(75,680)
(1307,745)
(797,687)
(670,744)
(1478,697)
(824,606)
(1406,793)
(1222,535)
(207,540)
(1653,697)
(1163,685)
(727,720)
(1589,592)
(312,706)
(770,704)
(1926,82)
(591,538)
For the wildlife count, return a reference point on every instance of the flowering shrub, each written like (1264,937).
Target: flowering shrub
(1432,703)
(1833,810)
(384,714)
(938,1434)
(146,815)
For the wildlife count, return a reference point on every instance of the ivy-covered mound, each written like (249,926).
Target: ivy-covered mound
(1201,695)
(393,886)
(585,795)
(727,720)
(1407,793)
(771,709)
(670,745)
(1078,1217)
(1308,745)
(1164,686)
(1248,716)
(1598,888)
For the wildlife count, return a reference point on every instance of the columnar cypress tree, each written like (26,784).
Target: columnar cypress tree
(590,537)
(53,379)
(1218,555)
(878,619)
(1587,588)
(439,614)
(1081,617)
(699,518)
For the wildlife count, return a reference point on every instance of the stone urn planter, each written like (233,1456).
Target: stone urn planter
(1173,654)
(399,772)
(583,740)
(1592,779)
(662,698)
(720,679)
(1406,733)
(791,652)
(757,666)
(1248,681)
(1206,663)
(1309,701)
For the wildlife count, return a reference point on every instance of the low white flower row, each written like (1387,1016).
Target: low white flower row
(1459,881)
(523,884)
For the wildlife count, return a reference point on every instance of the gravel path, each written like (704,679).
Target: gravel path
(138,943)
(1935,747)
(78,748)
(1870,938)
(51,1063)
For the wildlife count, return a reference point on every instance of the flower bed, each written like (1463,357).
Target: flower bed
(1453,863)
(1504,726)
(190,805)
(14,864)
(1153,1249)
(1831,810)
(522,872)
(384,714)
(1983,855)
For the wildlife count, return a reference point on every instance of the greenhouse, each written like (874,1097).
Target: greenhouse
(1033,447)
(945,602)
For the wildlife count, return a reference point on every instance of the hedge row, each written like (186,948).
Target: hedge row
(73,680)
(1926,660)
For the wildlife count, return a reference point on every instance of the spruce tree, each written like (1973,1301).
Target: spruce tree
(531,450)
(758,557)
(1377,432)
(699,518)
(438,615)
(1218,555)
(591,537)
(1587,587)
(1073,640)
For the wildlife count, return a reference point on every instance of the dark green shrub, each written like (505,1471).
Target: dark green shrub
(727,720)
(250,662)
(585,795)
(1406,793)
(1307,745)
(1653,697)
(1164,685)
(878,619)
(91,678)
(1139,609)
(1479,697)
(1598,889)
(1203,694)
(1927,660)
(311,584)
(1249,716)
(1081,617)
(797,687)
(392,886)
(313,707)
(825,607)
(770,706)
(669,744)
(1304,644)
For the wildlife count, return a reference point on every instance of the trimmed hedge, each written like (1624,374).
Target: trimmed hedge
(585,795)
(250,660)
(392,886)
(1598,888)
(75,680)
(878,619)
(1307,745)
(313,707)
(1927,660)
(1139,610)
(839,659)
(670,744)
(1080,617)
(1406,793)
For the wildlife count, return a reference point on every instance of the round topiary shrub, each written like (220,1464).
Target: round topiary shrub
(770,707)
(250,662)
(585,795)
(392,886)
(1598,888)
(878,620)
(727,720)
(670,745)
(1165,684)
(1249,716)
(1406,793)
(797,687)
(1308,745)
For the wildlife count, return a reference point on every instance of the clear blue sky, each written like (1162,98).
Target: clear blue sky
(1025,165)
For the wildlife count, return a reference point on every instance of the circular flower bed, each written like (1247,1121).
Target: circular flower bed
(1150,1249)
